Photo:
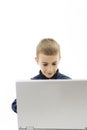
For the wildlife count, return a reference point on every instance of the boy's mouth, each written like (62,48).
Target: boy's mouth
(49,73)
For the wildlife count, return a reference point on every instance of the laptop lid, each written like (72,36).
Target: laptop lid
(54,104)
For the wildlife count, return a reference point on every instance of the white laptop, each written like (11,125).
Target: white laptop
(52,104)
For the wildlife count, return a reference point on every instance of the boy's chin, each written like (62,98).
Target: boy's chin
(49,76)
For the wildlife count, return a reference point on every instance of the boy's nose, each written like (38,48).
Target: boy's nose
(50,69)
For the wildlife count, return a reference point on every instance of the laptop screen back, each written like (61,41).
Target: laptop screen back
(52,104)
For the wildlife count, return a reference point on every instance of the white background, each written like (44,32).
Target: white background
(23,23)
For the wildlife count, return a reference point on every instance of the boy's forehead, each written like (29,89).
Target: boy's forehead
(48,57)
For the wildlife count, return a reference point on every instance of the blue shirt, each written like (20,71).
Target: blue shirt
(57,75)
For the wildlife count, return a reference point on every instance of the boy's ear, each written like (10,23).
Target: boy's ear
(36,59)
(60,58)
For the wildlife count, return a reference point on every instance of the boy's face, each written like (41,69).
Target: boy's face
(48,64)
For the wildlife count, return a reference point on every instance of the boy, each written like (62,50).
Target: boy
(47,57)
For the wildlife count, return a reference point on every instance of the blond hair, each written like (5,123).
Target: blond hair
(48,46)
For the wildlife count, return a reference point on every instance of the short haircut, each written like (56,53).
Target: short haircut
(48,46)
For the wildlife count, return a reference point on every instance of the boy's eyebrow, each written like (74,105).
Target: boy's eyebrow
(44,62)
(52,62)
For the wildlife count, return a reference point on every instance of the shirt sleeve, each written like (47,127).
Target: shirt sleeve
(14,106)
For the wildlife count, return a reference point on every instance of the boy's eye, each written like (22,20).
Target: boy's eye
(45,64)
(54,63)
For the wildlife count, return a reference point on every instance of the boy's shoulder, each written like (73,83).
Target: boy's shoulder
(62,76)
(37,77)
